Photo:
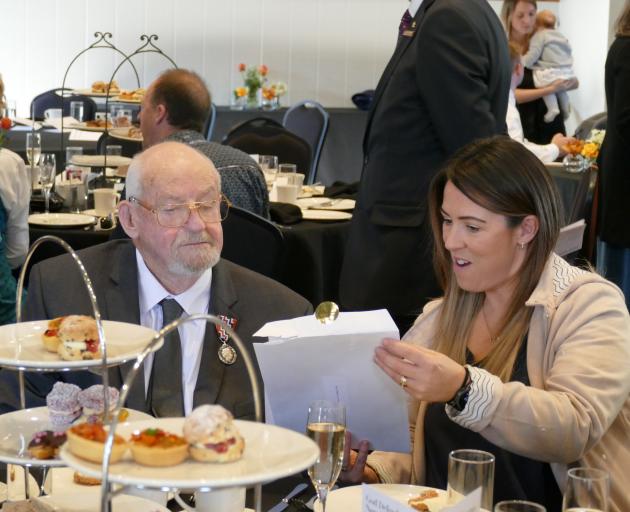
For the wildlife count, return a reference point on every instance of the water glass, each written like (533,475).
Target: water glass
(287,168)
(269,167)
(467,471)
(326,425)
(47,176)
(76,110)
(518,506)
(587,490)
(33,148)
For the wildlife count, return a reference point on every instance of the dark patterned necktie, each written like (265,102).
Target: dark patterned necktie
(165,388)
(405,22)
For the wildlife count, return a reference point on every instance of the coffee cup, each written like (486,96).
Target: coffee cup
(286,193)
(105,200)
(52,113)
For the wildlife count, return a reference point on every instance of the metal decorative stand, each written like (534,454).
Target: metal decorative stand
(101,42)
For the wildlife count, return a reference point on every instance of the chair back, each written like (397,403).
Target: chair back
(595,122)
(309,120)
(129,147)
(253,242)
(267,137)
(61,98)
(210,122)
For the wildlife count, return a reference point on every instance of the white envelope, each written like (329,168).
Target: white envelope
(305,360)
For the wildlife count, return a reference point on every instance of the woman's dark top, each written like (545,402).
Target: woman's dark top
(532,116)
(7,281)
(614,185)
(515,477)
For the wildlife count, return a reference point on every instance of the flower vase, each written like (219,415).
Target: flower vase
(253,99)
(239,103)
(574,163)
(271,104)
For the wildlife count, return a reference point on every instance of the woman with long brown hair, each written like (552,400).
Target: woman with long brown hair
(525,356)
(613,251)
(519,20)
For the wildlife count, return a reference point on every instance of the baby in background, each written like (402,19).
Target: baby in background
(550,58)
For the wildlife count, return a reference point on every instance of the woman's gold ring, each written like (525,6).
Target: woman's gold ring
(403,381)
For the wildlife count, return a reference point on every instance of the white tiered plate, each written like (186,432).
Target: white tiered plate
(271,452)
(100,160)
(17,429)
(123,134)
(330,215)
(348,499)
(91,501)
(21,346)
(64,220)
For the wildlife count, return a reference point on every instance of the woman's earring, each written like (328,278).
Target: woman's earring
(522,245)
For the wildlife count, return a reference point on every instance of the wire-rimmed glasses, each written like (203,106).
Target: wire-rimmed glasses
(176,215)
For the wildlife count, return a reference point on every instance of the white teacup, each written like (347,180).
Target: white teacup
(105,200)
(52,113)
(225,500)
(286,193)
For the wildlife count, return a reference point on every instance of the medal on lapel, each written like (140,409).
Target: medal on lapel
(227,353)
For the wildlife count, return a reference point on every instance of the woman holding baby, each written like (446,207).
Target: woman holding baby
(548,71)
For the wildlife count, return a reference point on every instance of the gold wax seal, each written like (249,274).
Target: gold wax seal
(327,312)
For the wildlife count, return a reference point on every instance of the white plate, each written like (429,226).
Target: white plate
(118,99)
(60,219)
(88,92)
(325,215)
(123,134)
(99,160)
(14,489)
(92,213)
(84,126)
(17,429)
(271,452)
(326,203)
(86,501)
(348,499)
(21,346)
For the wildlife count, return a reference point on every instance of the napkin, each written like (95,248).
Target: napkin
(285,213)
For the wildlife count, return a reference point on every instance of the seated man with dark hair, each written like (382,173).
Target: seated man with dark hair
(171,267)
(175,107)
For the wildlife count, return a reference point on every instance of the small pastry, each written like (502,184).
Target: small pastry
(63,404)
(92,401)
(87,440)
(45,444)
(212,435)
(81,479)
(155,447)
(79,338)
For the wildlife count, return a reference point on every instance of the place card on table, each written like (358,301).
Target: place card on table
(305,360)
(82,135)
(375,501)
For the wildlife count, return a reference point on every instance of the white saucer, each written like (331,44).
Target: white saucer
(61,220)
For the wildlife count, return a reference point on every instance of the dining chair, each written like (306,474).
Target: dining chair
(264,136)
(210,122)
(61,98)
(595,122)
(309,120)
(129,147)
(253,242)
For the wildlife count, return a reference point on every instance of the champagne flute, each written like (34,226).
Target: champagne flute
(47,176)
(33,152)
(326,425)
(587,490)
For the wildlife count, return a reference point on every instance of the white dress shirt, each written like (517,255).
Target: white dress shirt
(194,300)
(545,152)
(414,5)
(15,193)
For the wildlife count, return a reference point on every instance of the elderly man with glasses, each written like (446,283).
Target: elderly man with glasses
(170,267)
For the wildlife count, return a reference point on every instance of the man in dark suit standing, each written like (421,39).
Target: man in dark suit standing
(446,85)
(170,268)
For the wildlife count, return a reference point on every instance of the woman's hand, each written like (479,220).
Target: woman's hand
(428,375)
(561,85)
(354,469)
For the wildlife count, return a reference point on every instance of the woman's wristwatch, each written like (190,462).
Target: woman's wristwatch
(460,399)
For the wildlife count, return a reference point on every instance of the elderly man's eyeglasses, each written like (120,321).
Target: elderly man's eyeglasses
(176,215)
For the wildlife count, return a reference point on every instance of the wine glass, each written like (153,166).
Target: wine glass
(33,148)
(47,176)
(587,490)
(326,425)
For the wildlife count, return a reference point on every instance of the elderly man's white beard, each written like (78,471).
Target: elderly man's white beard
(203,260)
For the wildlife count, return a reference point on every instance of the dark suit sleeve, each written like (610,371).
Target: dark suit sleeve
(456,89)
(34,308)
(622,96)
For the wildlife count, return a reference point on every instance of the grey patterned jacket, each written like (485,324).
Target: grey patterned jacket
(242,181)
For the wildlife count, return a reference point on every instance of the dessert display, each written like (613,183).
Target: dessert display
(134,95)
(49,338)
(155,447)
(101,87)
(212,435)
(92,401)
(63,404)
(87,441)
(134,132)
(46,444)
(79,339)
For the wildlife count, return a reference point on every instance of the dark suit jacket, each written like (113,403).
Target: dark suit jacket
(445,85)
(56,289)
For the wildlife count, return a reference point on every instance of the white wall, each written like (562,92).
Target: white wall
(324,49)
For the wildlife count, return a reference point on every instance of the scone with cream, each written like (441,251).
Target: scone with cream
(212,435)
(79,338)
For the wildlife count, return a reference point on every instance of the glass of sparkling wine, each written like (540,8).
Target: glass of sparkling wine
(33,152)
(326,425)
(47,176)
(587,490)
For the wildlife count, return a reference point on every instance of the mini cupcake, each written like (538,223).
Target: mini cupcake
(92,401)
(63,404)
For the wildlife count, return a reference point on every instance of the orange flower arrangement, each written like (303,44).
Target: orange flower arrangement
(5,125)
